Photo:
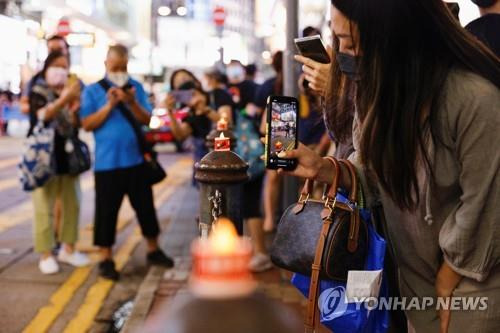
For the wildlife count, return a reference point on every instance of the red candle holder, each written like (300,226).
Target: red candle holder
(222,143)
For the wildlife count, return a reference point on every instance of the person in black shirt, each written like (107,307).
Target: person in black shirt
(197,124)
(219,99)
(487,27)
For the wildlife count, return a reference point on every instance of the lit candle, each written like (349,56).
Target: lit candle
(222,124)
(220,264)
(222,143)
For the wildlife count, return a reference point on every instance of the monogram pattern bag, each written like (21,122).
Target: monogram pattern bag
(323,239)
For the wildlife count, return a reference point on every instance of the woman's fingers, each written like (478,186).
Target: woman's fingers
(307,61)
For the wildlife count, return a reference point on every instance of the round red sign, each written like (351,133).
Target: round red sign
(219,16)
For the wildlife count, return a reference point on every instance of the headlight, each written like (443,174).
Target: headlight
(155,122)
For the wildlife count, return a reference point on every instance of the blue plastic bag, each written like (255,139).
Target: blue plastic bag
(340,316)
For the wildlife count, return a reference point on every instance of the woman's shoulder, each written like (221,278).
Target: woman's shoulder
(469,99)
(464,85)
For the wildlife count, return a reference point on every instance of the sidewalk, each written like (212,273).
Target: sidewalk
(160,286)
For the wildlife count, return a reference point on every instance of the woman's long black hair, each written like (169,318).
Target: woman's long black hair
(408,48)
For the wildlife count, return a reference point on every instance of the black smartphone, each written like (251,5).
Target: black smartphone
(281,131)
(312,47)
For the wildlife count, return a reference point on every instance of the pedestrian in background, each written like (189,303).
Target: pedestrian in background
(197,124)
(56,101)
(218,97)
(247,129)
(487,27)
(119,165)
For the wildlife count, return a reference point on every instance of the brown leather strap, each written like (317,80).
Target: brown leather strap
(311,321)
(312,304)
(352,243)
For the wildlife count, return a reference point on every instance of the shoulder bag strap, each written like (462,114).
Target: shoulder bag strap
(352,243)
(312,304)
(144,147)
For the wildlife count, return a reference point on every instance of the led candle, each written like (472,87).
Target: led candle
(220,264)
(222,143)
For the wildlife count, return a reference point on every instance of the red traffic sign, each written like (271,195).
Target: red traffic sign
(63,27)
(219,16)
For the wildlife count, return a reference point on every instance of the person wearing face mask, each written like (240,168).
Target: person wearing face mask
(427,103)
(198,123)
(242,91)
(57,101)
(119,165)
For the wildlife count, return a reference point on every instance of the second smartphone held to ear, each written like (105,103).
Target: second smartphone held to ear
(281,131)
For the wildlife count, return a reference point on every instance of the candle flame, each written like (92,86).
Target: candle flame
(224,237)
(221,136)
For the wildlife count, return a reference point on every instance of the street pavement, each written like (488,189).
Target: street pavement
(77,300)
(74,300)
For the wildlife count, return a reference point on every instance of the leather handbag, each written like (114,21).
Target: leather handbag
(154,172)
(323,239)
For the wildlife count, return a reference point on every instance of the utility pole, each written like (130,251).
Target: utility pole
(290,81)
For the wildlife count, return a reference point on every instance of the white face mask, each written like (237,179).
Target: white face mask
(118,78)
(235,73)
(56,76)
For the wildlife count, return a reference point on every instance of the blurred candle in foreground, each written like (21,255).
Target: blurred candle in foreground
(222,143)
(220,264)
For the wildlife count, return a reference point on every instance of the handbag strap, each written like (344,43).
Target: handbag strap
(307,191)
(311,321)
(144,147)
(352,242)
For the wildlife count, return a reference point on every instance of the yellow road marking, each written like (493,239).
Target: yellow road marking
(98,292)
(49,313)
(8,162)
(7,184)
(24,211)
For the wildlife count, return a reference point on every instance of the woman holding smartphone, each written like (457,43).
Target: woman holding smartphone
(426,135)
(57,100)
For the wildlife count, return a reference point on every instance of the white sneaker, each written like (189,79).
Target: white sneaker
(48,265)
(259,263)
(76,258)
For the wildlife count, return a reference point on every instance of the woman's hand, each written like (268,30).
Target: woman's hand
(170,102)
(309,165)
(446,282)
(316,73)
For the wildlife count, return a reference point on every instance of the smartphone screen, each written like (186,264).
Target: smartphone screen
(313,48)
(183,96)
(281,131)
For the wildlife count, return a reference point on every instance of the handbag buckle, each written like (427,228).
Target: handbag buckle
(302,200)
(330,205)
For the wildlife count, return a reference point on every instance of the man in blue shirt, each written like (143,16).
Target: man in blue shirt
(119,164)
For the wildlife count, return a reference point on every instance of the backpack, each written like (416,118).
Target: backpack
(248,144)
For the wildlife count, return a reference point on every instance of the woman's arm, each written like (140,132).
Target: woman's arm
(447,280)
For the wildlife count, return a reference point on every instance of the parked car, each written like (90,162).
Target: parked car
(159,130)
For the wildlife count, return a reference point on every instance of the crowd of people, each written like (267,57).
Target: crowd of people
(410,97)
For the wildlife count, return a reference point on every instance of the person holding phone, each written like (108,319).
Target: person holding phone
(198,123)
(427,113)
(119,167)
(57,100)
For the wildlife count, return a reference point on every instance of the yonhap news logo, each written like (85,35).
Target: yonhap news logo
(332,303)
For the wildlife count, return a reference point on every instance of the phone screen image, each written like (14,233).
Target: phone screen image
(282,132)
